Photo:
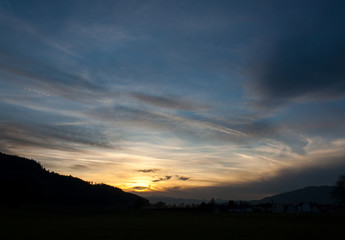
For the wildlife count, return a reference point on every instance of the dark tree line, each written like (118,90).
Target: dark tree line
(339,190)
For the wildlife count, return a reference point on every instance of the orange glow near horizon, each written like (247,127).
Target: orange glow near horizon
(135,171)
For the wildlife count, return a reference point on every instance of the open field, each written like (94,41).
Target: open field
(147,224)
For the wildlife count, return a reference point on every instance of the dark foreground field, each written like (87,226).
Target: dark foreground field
(72,224)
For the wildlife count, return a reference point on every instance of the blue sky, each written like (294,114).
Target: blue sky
(227,99)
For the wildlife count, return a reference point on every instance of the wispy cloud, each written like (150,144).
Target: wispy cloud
(62,137)
(52,81)
(101,33)
(168,122)
(79,167)
(20,25)
(168,102)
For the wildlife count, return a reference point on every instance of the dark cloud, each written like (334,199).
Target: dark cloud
(307,60)
(148,170)
(162,179)
(140,188)
(79,167)
(158,180)
(168,102)
(182,178)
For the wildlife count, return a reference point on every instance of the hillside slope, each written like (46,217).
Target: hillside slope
(25,181)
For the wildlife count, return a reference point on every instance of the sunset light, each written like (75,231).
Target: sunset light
(192,99)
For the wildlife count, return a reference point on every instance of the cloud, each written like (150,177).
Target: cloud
(100,33)
(53,81)
(322,119)
(158,180)
(148,170)
(79,167)
(307,60)
(18,25)
(285,180)
(259,128)
(182,178)
(61,137)
(162,179)
(181,125)
(140,188)
(168,102)
(24,63)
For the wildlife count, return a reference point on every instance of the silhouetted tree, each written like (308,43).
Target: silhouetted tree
(203,206)
(160,204)
(339,189)
(232,204)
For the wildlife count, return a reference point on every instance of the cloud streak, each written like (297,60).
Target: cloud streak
(169,122)
(61,137)
(53,81)
(168,102)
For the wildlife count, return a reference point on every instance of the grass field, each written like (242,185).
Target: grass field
(15,224)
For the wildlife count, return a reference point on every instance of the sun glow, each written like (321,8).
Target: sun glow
(139,186)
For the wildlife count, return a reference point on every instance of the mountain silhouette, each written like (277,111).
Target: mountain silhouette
(320,195)
(25,181)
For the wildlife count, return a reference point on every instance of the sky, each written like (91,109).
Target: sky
(189,99)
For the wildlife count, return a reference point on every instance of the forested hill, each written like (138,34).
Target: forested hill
(25,181)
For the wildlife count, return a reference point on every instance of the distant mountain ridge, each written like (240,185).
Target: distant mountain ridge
(311,194)
(25,181)
(315,194)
